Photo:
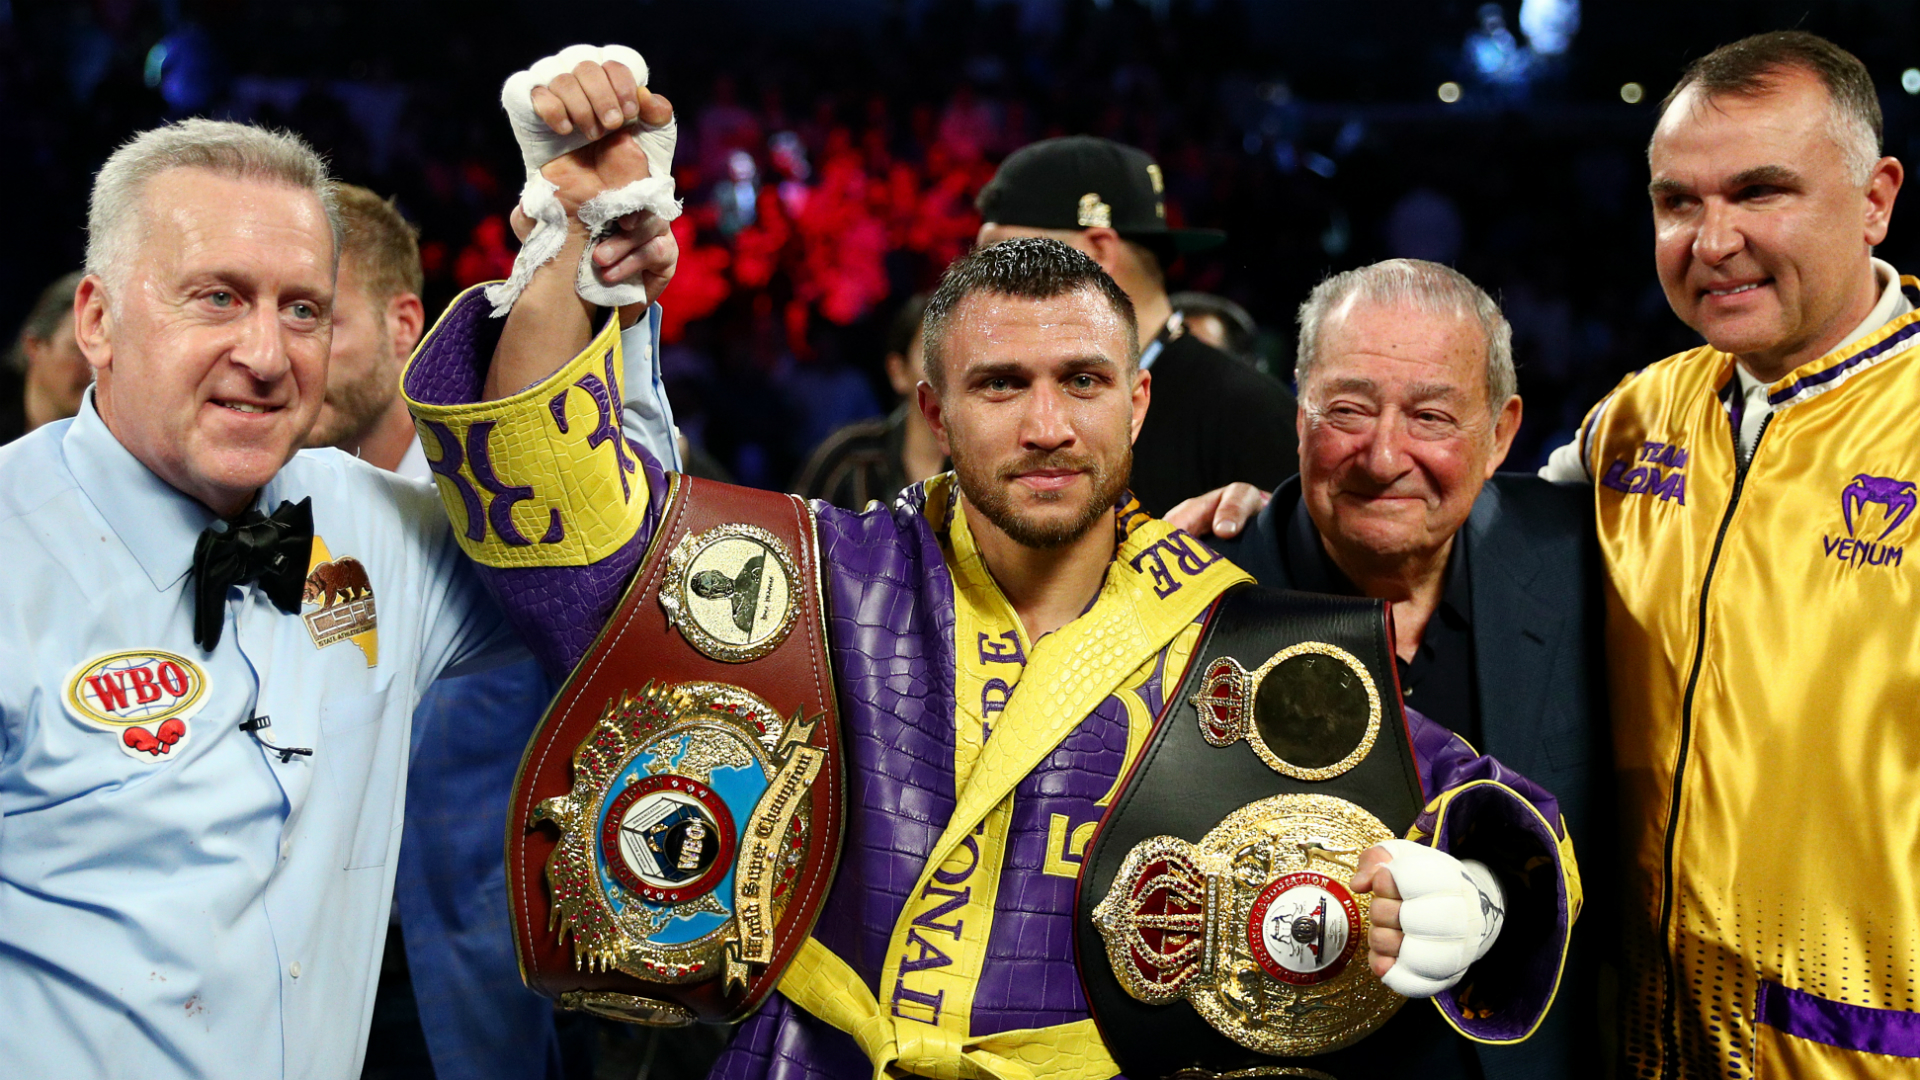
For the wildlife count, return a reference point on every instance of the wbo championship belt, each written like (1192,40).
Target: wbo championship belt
(1215,929)
(671,838)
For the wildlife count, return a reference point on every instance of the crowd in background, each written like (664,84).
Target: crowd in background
(829,169)
(829,172)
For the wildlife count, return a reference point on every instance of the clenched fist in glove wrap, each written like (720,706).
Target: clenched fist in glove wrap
(542,142)
(1433,915)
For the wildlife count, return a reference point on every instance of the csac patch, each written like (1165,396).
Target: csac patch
(145,696)
(337,602)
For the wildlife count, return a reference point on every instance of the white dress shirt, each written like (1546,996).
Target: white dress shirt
(176,898)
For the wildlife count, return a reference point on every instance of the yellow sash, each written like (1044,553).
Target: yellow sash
(1160,581)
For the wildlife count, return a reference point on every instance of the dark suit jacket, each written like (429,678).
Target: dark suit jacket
(1214,420)
(1540,682)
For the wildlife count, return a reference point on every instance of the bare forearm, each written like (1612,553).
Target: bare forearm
(547,327)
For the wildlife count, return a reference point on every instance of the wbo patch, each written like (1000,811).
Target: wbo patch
(341,596)
(146,696)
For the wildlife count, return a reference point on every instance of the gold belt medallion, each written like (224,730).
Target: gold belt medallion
(1254,926)
(683,833)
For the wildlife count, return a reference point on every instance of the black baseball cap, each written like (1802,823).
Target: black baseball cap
(1084,182)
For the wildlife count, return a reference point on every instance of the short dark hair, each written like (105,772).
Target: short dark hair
(906,323)
(1027,267)
(381,242)
(54,304)
(1752,66)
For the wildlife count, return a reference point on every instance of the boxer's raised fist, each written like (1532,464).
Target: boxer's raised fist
(592,99)
(598,149)
(577,95)
(607,164)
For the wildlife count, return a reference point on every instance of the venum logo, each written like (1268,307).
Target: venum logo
(1897,500)
(1658,468)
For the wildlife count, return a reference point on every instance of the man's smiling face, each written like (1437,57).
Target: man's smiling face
(1761,237)
(212,353)
(1041,403)
(1397,434)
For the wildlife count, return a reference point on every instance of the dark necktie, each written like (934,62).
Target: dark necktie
(271,550)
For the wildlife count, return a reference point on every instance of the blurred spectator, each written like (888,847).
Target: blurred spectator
(1219,322)
(737,197)
(970,127)
(876,459)
(449,1003)
(377,320)
(486,256)
(54,374)
(725,126)
(1212,420)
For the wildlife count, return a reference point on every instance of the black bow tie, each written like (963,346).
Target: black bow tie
(273,551)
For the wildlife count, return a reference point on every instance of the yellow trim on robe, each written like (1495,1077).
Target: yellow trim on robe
(1569,885)
(551,489)
(825,986)
(1154,590)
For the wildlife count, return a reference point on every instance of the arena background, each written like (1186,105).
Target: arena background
(1314,132)
(1507,139)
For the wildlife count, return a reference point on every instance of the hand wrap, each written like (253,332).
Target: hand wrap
(540,144)
(1451,912)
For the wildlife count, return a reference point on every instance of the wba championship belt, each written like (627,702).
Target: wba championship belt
(676,819)
(1216,932)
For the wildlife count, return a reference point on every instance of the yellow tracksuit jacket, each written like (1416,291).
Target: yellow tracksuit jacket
(1764,646)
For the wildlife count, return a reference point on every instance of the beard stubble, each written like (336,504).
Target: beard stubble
(990,491)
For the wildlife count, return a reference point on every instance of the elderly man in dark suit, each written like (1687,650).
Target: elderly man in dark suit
(1407,408)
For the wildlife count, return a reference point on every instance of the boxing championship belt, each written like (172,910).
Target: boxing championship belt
(1215,930)
(676,819)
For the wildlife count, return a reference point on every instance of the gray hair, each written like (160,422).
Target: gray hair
(1424,286)
(1754,66)
(235,151)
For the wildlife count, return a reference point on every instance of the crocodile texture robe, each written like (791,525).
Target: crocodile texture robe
(891,615)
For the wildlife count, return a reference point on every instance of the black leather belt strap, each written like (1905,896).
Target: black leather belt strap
(1182,786)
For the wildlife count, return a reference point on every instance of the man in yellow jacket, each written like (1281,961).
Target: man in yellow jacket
(1756,499)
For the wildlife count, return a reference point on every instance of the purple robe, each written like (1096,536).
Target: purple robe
(890,615)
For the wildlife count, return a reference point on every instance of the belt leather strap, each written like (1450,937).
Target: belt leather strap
(676,820)
(1184,786)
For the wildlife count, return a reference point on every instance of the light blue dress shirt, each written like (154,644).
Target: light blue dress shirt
(181,901)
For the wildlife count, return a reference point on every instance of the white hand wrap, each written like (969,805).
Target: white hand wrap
(1451,912)
(540,144)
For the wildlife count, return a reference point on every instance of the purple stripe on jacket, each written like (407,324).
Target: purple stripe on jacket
(1898,340)
(1893,1032)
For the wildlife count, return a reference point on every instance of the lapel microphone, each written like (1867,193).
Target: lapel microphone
(254,725)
